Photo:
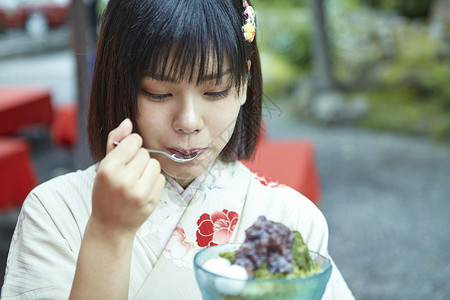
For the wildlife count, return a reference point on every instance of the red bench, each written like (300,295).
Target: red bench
(17,175)
(22,106)
(289,162)
(65,125)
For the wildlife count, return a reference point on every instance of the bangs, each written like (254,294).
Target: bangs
(191,41)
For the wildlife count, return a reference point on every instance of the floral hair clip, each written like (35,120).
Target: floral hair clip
(249,28)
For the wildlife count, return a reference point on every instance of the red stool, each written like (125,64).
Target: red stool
(24,106)
(289,162)
(17,175)
(65,125)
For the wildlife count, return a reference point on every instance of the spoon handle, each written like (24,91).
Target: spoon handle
(161,152)
(176,159)
(149,150)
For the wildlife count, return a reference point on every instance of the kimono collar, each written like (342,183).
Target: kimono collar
(188,193)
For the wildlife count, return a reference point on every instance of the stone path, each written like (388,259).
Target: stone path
(387,201)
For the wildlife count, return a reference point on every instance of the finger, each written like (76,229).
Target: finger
(150,176)
(149,200)
(126,150)
(136,166)
(157,190)
(153,199)
(118,134)
(142,188)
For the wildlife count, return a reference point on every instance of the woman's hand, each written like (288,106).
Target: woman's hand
(128,185)
(126,191)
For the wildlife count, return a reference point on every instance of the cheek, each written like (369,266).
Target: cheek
(225,121)
(148,119)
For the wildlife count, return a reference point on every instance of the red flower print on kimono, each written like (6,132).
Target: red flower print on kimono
(217,228)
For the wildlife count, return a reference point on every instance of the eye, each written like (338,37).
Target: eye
(218,95)
(156,97)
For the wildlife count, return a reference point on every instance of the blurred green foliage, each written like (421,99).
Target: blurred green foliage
(419,67)
(284,39)
(259,4)
(383,49)
(407,8)
(101,6)
(396,109)
(409,91)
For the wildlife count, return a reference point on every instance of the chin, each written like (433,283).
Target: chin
(183,179)
(184,172)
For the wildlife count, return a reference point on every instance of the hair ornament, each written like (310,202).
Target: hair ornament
(249,28)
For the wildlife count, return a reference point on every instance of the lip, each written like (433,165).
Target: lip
(186,150)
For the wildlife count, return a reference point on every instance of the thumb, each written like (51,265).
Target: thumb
(119,133)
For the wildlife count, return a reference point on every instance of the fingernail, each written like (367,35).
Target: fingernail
(126,123)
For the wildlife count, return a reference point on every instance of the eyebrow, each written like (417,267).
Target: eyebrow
(208,77)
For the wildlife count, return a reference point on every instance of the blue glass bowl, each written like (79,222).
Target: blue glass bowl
(214,286)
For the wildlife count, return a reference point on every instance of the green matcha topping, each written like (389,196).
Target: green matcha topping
(302,266)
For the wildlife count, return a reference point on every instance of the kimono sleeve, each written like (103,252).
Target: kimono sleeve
(41,262)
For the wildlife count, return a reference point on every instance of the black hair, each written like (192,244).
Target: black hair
(167,39)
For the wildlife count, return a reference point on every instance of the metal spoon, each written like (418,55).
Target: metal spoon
(177,156)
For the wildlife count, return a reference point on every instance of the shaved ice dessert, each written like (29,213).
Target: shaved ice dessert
(272,263)
(272,250)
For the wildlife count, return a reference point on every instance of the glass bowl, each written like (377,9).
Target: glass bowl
(214,286)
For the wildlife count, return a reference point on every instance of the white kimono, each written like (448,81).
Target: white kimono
(216,208)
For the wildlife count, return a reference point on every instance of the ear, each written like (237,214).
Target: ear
(243,95)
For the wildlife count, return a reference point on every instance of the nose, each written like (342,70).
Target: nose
(188,116)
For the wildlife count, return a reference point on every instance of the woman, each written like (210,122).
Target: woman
(183,77)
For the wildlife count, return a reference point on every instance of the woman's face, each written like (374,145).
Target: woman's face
(186,117)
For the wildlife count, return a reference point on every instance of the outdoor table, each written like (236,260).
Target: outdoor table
(288,162)
(23,106)
(17,174)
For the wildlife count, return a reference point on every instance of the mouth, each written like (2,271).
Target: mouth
(186,153)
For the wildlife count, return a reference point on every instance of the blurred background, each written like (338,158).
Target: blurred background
(365,81)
